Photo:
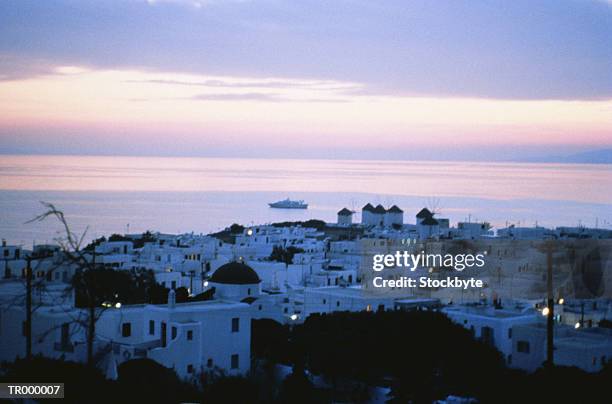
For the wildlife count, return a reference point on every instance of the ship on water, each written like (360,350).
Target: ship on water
(289,204)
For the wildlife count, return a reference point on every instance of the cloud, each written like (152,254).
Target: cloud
(195,3)
(238,97)
(16,68)
(550,49)
(284,84)
(263,97)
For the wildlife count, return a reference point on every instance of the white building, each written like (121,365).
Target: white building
(472,230)
(331,299)
(394,217)
(190,338)
(491,325)
(588,349)
(345,217)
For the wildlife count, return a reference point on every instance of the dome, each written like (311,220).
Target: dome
(235,273)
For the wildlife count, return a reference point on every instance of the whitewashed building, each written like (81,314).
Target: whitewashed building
(345,217)
(492,325)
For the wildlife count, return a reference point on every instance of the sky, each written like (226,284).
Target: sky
(306,79)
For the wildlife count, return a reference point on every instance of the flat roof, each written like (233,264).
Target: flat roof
(488,311)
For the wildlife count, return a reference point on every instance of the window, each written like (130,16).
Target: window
(151,327)
(189,335)
(509,333)
(260,307)
(522,346)
(338,303)
(487,335)
(249,291)
(126,329)
(65,335)
(324,301)
(235,324)
(209,363)
(173,285)
(235,360)
(173,332)
(510,359)
(285,310)
(190,368)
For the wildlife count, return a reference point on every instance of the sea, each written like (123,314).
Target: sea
(102,195)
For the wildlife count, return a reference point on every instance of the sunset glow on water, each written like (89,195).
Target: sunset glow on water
(206,194)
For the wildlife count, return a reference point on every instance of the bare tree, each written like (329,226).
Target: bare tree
(95,285)
(73,253)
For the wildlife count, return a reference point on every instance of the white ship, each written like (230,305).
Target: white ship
(289,204)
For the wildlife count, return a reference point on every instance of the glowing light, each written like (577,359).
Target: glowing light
(293,317)
(545,311)
(561,301)
(249,232)
(205,284)
(118,305)
(577,325)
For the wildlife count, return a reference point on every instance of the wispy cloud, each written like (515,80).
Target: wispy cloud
(261,97)
(264,90)
(195,3)
(328,85)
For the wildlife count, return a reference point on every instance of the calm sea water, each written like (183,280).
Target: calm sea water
(117,194)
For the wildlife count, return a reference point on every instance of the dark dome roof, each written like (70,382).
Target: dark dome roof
(235,273)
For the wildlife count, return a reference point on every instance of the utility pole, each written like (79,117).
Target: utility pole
(28,321)
(91,329)
(191,275)
(551,306)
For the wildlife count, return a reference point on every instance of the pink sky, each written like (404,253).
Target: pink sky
(128,109)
